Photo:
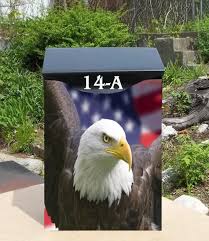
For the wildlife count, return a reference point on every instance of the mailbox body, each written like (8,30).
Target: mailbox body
(66,102)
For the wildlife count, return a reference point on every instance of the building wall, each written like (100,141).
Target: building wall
(26,8)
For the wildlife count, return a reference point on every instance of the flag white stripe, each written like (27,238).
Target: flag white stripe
(143,89)
(151,122)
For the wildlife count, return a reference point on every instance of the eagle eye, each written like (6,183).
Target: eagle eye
(106,138)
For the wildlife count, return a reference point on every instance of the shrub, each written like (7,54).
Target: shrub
(202,41)
(202,27)
(76,27)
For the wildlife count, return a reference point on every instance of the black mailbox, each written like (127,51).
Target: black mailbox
(96,108)
(131,64)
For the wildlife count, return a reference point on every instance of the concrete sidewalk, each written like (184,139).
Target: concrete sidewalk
(22,220)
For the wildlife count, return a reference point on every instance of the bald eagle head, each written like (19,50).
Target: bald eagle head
(103,166)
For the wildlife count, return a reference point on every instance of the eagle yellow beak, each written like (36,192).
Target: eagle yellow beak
(122,151)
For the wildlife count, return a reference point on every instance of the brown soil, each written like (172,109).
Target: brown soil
(200,191)
(198,137)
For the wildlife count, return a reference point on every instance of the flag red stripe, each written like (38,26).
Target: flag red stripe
(47,219)
(146,139)
(148,103)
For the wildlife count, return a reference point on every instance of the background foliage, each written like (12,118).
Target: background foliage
(21,91)
(76,27)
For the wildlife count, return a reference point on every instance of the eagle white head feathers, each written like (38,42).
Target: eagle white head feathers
(102,169)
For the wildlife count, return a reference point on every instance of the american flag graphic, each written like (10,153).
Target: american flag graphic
(147,98)
(118,106)
(137,110)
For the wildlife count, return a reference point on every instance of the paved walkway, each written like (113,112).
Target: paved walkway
(22,219)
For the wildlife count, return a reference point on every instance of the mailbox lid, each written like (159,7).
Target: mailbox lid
(72,63)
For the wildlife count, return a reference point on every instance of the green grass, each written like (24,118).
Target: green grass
(21,139)
(21,103)
(176,75)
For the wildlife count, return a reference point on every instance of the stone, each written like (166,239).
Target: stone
(192,203)
(186,57)
(205,142)
(202,128)
(38,150)
(169,179)
(168,131)
(32,164)
(3,43)
(203,77)
(182,44)
(165,49)
(179,50)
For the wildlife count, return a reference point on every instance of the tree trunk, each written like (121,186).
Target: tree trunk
(199,91)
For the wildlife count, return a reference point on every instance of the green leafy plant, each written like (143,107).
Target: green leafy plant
(190,160)
(192,163)
(181,102)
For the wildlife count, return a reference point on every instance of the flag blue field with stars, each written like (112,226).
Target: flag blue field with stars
(119,106)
